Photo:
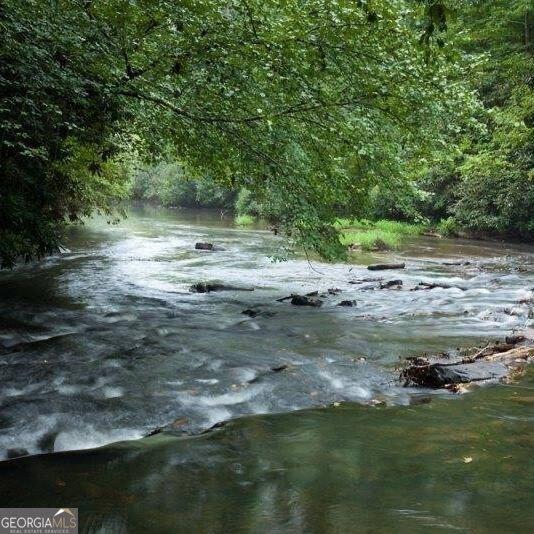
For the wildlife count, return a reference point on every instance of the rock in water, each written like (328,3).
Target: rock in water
(208,287)
(397,284)
(15,453)
(488,364)
(441,375)
(513,340)
(253,312)
(301,300)
(384,266)
(334,291)
(209,246)
(347,303)
(180,425)
(47,441)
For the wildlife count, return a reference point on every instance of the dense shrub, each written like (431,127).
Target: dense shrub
(448,227)
(167,184)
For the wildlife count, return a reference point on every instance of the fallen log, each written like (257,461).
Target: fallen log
(384,266)
(492,363)
(509,357)
(434,285)
(452,263)
(490,350)
(208,287)
(365,280)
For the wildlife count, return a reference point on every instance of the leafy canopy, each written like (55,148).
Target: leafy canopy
(308,104)
(487,184)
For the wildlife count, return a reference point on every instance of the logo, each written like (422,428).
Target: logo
(38,520)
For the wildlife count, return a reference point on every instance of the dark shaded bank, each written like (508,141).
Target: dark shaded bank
(462,463)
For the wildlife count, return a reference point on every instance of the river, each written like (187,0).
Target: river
(105,343)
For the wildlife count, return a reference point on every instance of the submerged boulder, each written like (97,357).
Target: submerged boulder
(333,291)
(365,280)
(515,339)
(255,312)
(392,284)
(208,246)
(204,246)
(347,303)
(303,300)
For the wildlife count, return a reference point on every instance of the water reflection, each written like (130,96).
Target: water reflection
(346,469)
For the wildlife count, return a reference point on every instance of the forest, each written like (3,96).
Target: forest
(408,110)
(266,266)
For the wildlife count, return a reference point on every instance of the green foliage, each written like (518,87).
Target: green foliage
(400,228)
(246,204)
(371,240)
(488,186)
(355,224)
(59,142)
(166,184)
(396,227)
(244,220)
(394,199)
(379,235)
(495,195)
(307,105)
(448,227)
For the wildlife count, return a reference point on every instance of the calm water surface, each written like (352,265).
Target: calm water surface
(105,343)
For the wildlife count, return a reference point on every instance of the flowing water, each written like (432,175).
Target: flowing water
(462,464)
(105,342)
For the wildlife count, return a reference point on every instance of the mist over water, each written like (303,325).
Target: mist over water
(105,342)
